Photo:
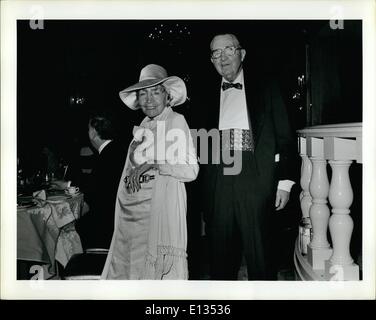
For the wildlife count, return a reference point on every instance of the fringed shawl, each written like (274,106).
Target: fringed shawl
(166,256)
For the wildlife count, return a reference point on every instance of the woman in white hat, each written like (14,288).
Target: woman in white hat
(150,236)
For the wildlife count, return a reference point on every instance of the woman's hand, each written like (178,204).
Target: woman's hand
(134,177)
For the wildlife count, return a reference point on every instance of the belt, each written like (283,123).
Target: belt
(237,139)
(145,178)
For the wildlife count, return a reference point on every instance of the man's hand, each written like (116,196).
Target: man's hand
(281,199)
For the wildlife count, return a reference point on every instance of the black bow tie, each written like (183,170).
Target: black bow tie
(227,85)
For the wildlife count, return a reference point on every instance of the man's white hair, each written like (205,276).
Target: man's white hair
(234,39)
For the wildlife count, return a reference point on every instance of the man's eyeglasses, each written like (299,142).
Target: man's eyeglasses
(229,51)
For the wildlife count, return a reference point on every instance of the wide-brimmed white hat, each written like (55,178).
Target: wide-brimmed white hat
(150,76)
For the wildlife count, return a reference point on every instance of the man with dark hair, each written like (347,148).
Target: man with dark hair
(96,226)
(103,126)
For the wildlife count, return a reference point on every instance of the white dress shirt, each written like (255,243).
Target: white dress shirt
(233,107)
(233,115)
(103,145)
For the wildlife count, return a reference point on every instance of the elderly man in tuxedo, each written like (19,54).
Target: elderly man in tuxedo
(248,110)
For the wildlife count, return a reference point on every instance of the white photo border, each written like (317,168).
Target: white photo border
(11,288)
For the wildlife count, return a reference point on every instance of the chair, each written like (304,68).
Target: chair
(86,266)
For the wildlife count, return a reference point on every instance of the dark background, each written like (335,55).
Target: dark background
(94,60)
(72,67)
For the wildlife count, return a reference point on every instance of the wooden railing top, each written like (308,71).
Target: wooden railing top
(344,130)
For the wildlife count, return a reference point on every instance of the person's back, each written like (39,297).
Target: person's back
(96,227)
(101,194)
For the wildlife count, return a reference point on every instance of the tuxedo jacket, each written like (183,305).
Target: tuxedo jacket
(101,192)
(271,129)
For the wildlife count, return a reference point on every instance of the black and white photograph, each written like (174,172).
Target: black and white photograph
(206,155)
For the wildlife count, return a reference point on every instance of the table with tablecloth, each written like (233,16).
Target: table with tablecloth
(46,232)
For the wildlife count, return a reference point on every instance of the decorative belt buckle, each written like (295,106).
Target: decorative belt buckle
(145,178)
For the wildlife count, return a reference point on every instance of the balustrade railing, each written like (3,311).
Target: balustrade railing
(315,257)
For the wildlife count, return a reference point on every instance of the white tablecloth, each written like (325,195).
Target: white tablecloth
(46,233)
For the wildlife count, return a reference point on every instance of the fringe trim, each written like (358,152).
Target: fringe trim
(168,259)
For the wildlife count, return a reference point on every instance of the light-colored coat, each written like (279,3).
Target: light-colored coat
(166,256)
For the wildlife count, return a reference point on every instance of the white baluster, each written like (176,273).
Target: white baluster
(319,249)
(305,178)
(305,203)
(340,223)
